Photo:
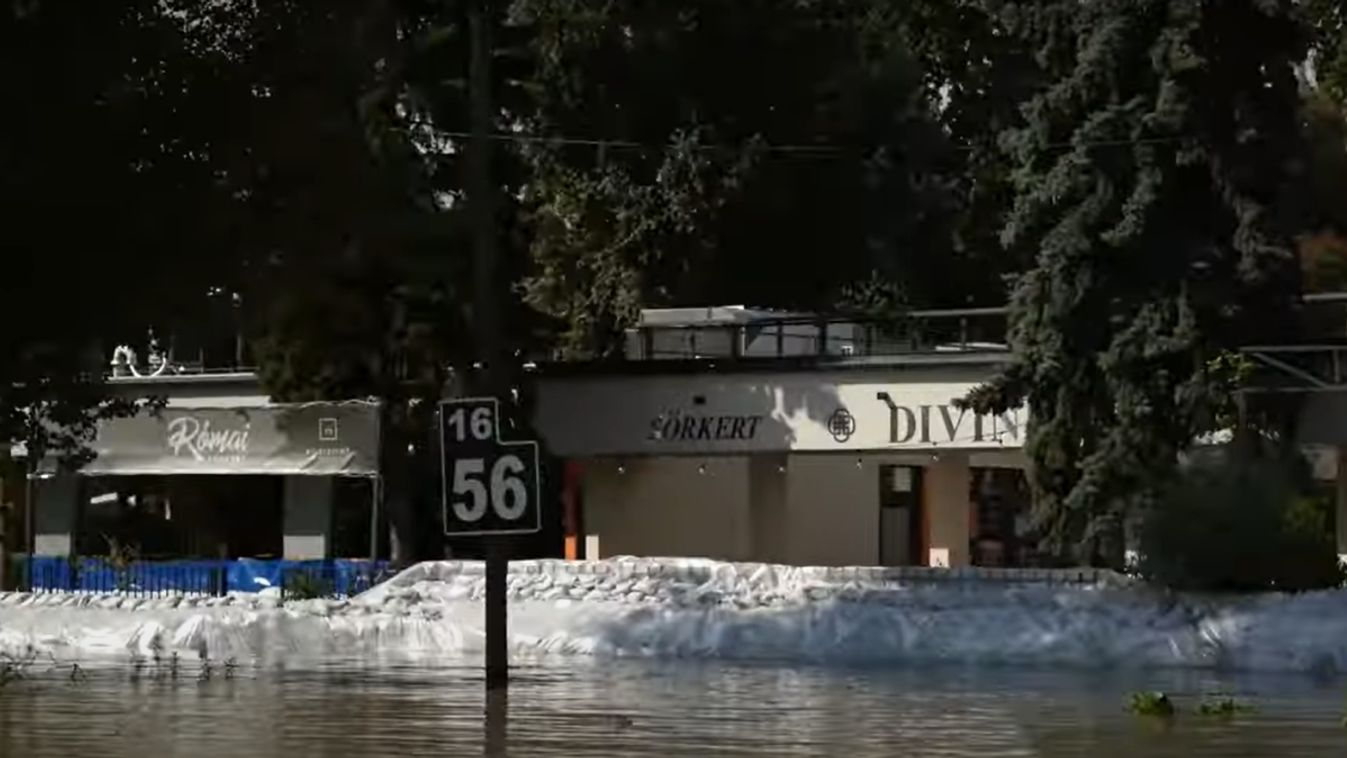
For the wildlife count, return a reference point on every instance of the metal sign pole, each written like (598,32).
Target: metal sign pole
(482,204)
(497,647)
(376,497)
(492,492)
(30,533)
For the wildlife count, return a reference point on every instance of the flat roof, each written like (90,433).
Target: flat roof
(717,315)
(230,377)
(773,364)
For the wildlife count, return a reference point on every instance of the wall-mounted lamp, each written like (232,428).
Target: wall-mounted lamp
(621,468)
(860,463)
(701,469)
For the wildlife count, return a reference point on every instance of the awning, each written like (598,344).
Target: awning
(319,439)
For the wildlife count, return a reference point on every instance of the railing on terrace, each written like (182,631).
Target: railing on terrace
(185,352)
(148,578)
(787,336)
(1315,363)
(953,330)
(1322,351)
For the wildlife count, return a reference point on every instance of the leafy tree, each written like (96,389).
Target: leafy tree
(1241,524)
(348,270)
(1154,181)
(671,167)
(1328,23)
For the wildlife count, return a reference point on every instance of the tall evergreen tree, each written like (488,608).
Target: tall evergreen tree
(1155,183)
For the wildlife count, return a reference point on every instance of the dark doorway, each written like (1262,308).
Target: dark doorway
(221,516)
(1002,499)
(900,535)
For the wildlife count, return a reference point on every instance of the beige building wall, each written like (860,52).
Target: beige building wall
(668,507)
(809,509)
(832,510)
(947,501)
(767,508)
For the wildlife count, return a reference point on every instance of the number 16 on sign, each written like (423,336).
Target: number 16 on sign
(490,485)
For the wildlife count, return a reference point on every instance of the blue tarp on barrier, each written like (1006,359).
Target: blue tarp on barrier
(339,577)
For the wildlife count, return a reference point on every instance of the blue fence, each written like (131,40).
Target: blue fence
(329,578)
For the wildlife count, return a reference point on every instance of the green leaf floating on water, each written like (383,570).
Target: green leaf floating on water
(1151,704)
(1224,707)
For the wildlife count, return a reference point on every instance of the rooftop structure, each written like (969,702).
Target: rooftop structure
(743,332)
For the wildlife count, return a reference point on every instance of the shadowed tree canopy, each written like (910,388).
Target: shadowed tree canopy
(1328,24)
(1324,250)
(106,178)
(766,152)
(1156,183)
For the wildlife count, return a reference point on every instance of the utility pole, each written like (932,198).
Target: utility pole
(4,536)
(482,190)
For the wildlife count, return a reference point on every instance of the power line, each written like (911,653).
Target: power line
(627,144)
(816,149)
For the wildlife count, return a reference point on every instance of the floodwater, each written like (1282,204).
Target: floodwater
(598,707)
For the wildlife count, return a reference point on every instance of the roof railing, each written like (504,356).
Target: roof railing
(955,329)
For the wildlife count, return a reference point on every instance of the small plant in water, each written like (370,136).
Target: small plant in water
(15,667)
(78,674)
(1151,704)
(137,667)
(1224,706)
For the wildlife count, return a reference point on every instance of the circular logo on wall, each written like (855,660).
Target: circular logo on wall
(842,425)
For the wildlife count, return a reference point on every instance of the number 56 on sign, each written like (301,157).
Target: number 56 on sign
(491,486)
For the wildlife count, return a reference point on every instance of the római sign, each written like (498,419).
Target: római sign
(328,439)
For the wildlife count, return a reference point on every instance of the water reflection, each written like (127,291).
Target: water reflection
(636,708)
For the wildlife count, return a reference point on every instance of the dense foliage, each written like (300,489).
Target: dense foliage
(1156,180)
(1240,525)
(693,172)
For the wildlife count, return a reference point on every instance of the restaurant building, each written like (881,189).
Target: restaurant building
(749,435)
(744,434)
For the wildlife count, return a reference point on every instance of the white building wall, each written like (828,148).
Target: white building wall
(859,411)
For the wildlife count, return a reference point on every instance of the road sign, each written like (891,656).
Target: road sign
(490,485)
